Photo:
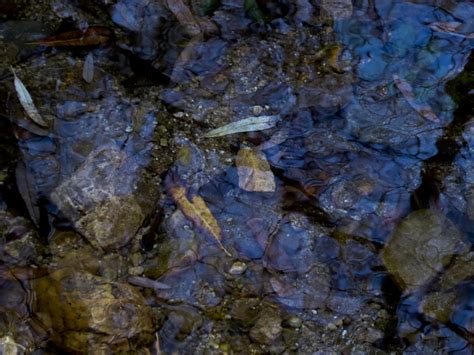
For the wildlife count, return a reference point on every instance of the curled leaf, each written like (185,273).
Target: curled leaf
(254,171)
(198,212)
(94,35)
(27,102)
(88,69)
(250,124)
(407,91)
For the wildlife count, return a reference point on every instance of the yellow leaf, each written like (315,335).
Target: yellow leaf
(197,211)
(254,171)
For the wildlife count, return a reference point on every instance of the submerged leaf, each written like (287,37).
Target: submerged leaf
(450,28)
(88,69)
(184,16)
(422,108)
(337,9)
(147,283)
(24,182)
(209,6)
(254,171)
(94,35)
(252,8)
(250,124)
(27,102)
(198,212)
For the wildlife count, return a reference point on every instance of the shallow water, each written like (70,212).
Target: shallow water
(346,226)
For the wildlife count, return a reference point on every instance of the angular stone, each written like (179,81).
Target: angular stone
(100,200)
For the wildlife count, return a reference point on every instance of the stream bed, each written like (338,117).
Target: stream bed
(236,177)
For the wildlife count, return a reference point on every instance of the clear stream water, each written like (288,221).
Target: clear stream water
(125,230)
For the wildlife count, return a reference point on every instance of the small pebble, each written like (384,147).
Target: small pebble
(331,326)
(257,110)
(238,268)
(136,270)
(295,322)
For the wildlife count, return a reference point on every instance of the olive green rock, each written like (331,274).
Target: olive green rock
(84,312)
(420,247)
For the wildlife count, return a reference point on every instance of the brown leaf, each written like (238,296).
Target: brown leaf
(407,91)
(94,35)
(198,212)
(25,184)
(254,171)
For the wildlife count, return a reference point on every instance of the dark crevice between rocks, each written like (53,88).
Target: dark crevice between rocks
(436,168)
(303,203)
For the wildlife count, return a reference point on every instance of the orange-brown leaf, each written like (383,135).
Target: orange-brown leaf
(198,212)
(254,171)
(94,35)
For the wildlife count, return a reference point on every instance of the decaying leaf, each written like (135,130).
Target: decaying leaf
(27,102)
(281,288)
(184,16)
(253,10)
(198,212)
(333,58)
(337,9)
(24,182)
(279,137)
(250,124)
(147,283)
(94,35)
(88,69)
(254,171)
(10,347)
(423,109)
(450,28)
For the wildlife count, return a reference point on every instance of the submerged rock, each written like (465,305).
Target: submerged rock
(267,329)
(420,247)
(86,313)
(96,199)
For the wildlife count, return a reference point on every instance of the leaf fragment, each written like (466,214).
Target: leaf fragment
(450,28)
(88,69)
(250,124)
(184,16)
(254,171)
(197,211)
(25,184)
(253,10)
(27,102)
(94,35)
(422,108)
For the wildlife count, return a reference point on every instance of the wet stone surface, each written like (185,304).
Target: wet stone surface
(125,229)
